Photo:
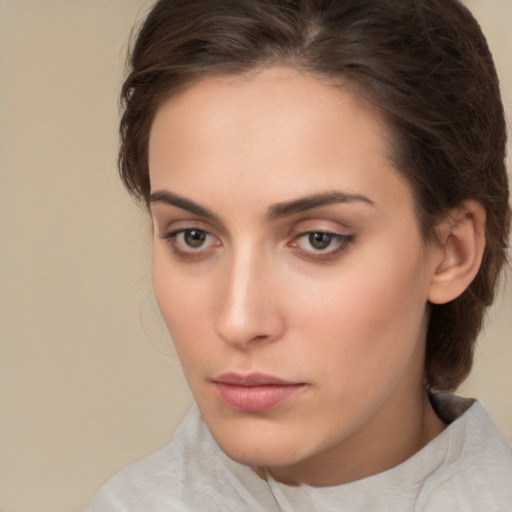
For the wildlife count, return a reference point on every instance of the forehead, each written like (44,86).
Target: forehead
(275,131)
(280,97)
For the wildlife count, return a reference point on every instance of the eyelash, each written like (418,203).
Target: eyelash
(342,243)
(172,239)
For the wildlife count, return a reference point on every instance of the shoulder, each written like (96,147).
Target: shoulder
(135,487)
(190,474)
(476,473)
(156,482)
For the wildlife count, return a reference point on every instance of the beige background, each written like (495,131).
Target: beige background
(88,381)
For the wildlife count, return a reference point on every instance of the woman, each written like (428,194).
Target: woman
(329,199)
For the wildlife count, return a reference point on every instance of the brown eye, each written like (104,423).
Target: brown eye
(194,238)
(321,245)
(320,240)
(191,243)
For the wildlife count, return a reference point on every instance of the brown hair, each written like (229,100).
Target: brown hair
(425,63)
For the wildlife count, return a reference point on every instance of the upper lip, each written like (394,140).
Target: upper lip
(252,379)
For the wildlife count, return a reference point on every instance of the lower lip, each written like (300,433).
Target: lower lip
(255,398)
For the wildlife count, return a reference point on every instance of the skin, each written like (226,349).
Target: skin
(252,293)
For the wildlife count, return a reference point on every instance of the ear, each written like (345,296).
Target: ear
(462,243)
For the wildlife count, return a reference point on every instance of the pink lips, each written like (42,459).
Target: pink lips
(255,392)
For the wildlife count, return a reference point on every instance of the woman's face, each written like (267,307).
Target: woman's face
(289,267)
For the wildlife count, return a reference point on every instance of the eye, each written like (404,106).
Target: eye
(320,240)
(321,243)
(194,238)
(190,241)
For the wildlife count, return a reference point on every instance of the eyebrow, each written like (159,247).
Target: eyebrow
(276,211)
(166,197)
(302,204)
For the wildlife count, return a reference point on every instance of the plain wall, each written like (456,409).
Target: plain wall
(88,379)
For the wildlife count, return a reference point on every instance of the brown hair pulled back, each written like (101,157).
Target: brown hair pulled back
(425,63)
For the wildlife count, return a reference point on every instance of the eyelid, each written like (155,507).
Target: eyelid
(315,225)
(166,225)
(165,216)
(326,221)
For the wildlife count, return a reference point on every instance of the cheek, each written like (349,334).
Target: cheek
(368,318)
(371,291)
(177,302)
(187,330)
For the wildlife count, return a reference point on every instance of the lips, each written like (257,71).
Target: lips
(255,392)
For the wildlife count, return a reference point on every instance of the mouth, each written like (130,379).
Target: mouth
(255,392)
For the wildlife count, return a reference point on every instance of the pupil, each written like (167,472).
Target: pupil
(195,238)
(319,240)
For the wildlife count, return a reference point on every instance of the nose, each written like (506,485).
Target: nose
(248,311)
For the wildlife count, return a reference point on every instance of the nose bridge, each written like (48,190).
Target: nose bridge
(245,310)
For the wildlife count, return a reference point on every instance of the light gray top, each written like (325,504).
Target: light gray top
(468,467)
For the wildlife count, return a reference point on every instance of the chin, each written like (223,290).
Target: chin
(258,446)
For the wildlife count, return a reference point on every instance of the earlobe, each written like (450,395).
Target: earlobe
(462,239)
